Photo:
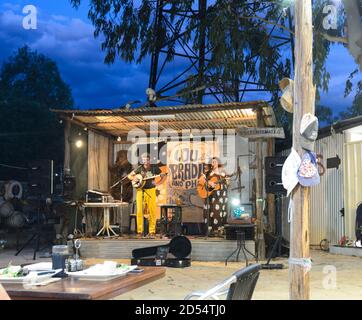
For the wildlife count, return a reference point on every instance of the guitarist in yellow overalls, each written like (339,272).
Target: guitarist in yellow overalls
(146,196)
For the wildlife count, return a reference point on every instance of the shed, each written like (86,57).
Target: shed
(93,138)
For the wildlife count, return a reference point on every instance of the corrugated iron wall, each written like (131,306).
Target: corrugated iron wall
(326,221)
(118,147)
(327,197)
(353,190)
(98,152)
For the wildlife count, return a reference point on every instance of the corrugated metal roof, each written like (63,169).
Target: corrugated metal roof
(209,116)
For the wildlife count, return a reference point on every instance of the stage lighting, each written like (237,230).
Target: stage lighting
(235,202)
(79,143)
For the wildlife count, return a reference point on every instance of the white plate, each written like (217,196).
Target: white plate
(97,275)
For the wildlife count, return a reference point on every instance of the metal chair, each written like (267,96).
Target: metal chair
(240,285)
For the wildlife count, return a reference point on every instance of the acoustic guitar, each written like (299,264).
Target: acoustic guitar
(204,191)
(139,180)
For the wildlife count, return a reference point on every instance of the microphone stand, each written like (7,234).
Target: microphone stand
(207,206)
(121,182)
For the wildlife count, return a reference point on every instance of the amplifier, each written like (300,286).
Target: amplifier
(98,196)
(230,231)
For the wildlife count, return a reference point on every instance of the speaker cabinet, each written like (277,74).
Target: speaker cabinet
(273,184)
(41,177)
(273,175)
(274,165)
(230,231)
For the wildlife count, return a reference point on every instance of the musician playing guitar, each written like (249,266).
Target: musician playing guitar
(212,186)
(146,194)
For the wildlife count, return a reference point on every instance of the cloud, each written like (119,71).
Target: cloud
(59,17)
(11,6)
(70,42)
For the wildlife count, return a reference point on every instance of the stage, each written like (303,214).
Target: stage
(203,249)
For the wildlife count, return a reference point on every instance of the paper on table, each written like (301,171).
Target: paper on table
(44,283)
(40,266)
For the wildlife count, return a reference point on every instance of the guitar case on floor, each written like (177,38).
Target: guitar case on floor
(174,254)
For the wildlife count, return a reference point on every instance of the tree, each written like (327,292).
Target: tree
(324,115)
(356,108)
(236,41)
(30,84)
(33,77)
(240,42)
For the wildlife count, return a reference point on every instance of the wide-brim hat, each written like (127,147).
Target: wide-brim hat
(289,171)
(286,100)
(308,131)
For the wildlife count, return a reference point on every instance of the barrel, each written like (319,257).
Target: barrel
(13,189)
(16,220)
(6,209)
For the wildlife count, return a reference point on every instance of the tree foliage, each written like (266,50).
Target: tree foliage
(237,31)
(30,84)
(234,37)
(356,108)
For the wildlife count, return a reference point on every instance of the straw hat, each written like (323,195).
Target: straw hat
(286,100)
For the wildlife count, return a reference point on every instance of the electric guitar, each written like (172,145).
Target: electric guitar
(139,180)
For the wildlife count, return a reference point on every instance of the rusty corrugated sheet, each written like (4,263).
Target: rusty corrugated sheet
(212,116)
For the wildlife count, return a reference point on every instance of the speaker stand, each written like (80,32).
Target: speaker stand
(37,235)
(240,241)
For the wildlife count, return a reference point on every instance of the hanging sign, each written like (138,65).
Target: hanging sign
(261,132)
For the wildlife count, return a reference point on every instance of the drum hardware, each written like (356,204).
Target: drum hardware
(98,196)
(121,182)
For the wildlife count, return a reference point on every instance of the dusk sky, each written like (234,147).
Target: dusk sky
(65,35)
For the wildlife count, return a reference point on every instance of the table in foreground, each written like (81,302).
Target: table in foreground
(74,289)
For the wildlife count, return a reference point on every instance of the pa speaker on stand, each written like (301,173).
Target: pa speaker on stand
(274,185)
(41,178)
(273,175)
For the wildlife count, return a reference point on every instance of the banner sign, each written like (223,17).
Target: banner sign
(261,132)
(185,162)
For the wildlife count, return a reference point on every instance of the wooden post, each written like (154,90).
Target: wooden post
(66,147)
(110,160)
(270,196)
(260,243)
(304,99)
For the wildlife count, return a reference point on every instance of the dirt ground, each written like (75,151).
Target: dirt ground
(332,277)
